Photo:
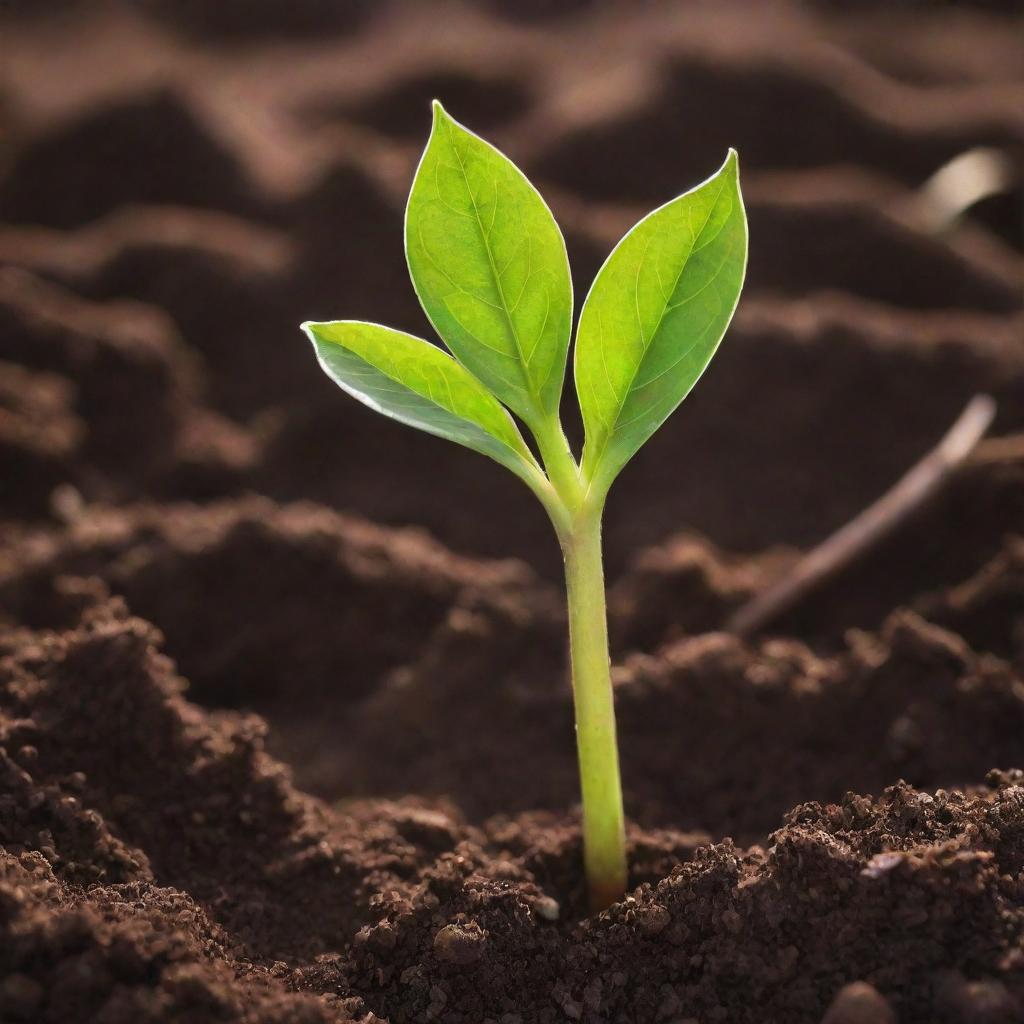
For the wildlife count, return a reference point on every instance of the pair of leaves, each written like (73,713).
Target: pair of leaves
(489,266)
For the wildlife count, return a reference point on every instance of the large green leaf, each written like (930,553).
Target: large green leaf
(654,317)
(489,266)
(414,382)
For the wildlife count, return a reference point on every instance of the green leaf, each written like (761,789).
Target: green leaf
(489,266)
(414,382)
(654,317)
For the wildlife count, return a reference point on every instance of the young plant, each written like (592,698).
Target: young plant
(489,266)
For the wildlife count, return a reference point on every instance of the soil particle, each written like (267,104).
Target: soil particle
(859,1003)
(457,945)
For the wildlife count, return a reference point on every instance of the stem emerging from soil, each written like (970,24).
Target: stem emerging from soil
(604,844)
(578,524)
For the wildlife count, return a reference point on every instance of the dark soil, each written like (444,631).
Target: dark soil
(285,722)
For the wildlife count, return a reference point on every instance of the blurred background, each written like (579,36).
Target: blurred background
(183,181)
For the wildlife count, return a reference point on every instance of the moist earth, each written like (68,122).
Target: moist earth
(285,720)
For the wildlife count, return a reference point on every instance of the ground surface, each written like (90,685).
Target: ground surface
(285,731)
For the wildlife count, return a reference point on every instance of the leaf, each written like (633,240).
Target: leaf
(489,266)
(654,317)
(414,382)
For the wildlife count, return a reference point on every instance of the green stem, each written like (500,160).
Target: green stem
(558,461)
(577,520)
(604,844)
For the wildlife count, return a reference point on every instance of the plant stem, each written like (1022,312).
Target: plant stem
(604,843)
(558,461)
(577,521)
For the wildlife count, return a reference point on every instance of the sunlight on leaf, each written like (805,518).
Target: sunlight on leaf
(414,382)
(654,317)
(489,266)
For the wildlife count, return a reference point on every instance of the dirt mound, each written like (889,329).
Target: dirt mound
(149,149)
(165,881)
(39,435)
(131,385)
(298,619)
(860,889)
(828,119)
(955,555)
(894,704)
(190,812)
(987,607)
(398,109)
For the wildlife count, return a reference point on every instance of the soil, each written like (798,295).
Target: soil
(285,721)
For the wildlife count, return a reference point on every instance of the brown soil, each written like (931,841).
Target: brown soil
(365,809)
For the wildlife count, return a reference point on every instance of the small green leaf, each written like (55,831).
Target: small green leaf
(414,382)
(489,266)
(654,317)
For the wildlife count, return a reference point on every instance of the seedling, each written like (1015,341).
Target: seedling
(489,266)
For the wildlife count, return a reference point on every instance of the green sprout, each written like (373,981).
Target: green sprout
(489,266)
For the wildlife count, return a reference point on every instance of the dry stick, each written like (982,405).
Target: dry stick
(877,521)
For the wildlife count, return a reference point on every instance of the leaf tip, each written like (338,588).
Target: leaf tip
(315,331)
(438,112)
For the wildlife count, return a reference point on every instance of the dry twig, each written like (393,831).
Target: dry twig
(877,521)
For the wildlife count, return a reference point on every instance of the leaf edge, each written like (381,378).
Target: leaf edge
(591,473)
